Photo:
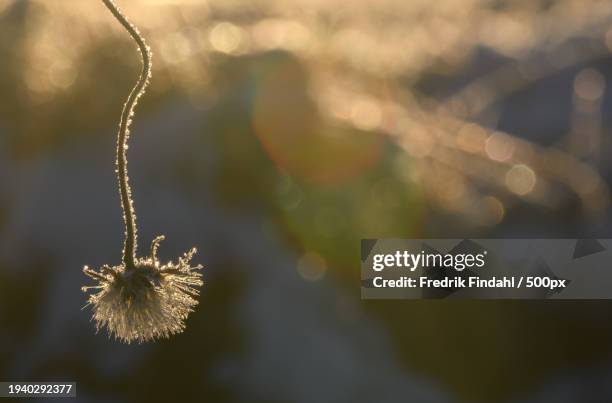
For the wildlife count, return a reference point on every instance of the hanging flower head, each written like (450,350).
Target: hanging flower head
(140,299)
(149,301)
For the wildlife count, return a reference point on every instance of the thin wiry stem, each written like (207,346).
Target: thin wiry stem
(127,204)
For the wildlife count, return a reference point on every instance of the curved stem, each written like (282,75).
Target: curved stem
(127,204)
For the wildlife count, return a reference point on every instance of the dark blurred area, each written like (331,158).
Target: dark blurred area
(274,137)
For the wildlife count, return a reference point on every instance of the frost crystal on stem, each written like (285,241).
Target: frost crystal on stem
(140,299)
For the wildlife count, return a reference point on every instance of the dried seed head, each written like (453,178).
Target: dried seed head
(146,302)
(141,299)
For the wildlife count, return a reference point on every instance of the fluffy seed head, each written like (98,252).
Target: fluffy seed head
(146,302)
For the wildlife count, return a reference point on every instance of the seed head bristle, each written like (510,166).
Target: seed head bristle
(149,302)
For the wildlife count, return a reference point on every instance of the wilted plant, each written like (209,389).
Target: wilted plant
(140,299)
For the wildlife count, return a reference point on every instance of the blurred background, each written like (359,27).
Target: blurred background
(275,136)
